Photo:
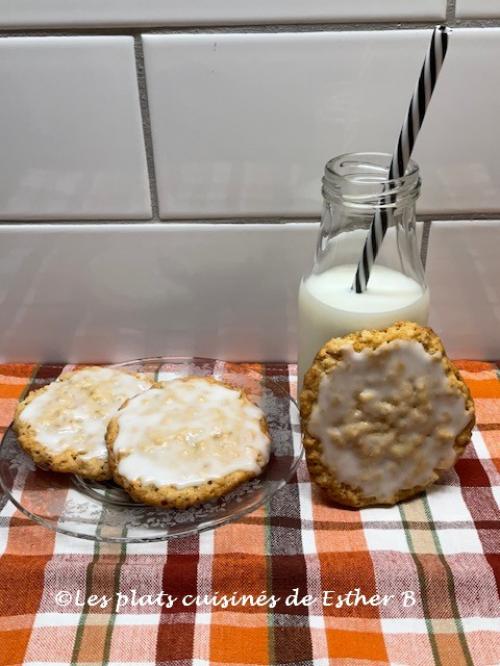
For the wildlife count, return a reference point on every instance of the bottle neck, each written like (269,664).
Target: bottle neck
(361,185)
(354,188)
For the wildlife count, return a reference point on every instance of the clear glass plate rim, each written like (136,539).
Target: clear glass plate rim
(201,527)
(211,524)
(202,359)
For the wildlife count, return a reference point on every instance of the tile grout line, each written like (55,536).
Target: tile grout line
(146,125)
(451,12)
(318,26)
(325,26)
(465,217)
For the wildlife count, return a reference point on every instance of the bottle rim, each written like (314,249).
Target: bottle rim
(360,179)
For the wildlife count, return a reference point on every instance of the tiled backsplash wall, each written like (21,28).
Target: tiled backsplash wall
(161,164)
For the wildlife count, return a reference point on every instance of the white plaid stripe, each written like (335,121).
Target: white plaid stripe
(151,548)
(480,446)
(305,497)
(316,622)
(313,573)
(201,638)
(459,541)
(138,619)
(67,545)
(481,624)
(378,538)
(386,539)
(7,512)
(496,494)
(380,514)
(447,505)
(307,533)
(61,619)
(405,625)
(483,453)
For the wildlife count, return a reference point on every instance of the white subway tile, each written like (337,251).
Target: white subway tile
(71,130)
(244,123)
(477,8)
(457,147)
(114,292)
(213,12)
(110,292)
(463,273)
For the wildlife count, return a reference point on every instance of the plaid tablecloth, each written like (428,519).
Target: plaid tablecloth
(436,558)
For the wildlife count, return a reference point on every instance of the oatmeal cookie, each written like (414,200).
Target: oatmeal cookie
(384,413)
(62,425)
(187,441)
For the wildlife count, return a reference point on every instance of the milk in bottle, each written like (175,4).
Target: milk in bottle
(328,306)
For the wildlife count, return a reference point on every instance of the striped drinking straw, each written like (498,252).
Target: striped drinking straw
(407,137)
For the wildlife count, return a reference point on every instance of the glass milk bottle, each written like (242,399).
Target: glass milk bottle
(328,305)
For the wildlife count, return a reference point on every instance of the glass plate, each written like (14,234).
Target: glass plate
(104,512)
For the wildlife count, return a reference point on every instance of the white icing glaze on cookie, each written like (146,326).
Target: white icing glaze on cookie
(189,432)
(386,418)
(74,413)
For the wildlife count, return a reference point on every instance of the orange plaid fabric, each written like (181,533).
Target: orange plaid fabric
(435,559)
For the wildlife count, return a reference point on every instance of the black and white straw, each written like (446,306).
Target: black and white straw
(406,141)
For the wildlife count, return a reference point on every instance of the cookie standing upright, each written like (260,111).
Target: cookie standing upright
(62,426)
(384,414)
(187,441)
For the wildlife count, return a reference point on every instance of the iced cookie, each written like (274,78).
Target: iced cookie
(384,414)
(63,425)
(187,441)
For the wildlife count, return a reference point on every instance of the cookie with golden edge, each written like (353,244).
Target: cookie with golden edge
(187,441)
(384,414)
(62,426)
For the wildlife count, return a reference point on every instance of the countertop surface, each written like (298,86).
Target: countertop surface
(414,584)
